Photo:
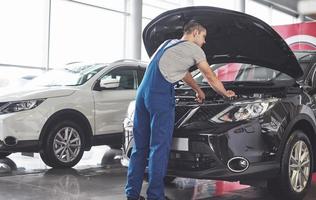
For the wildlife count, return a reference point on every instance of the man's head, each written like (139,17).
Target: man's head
(195,32)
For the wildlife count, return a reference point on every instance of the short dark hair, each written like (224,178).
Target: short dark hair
(191,26)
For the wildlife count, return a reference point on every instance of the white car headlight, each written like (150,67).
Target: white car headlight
(244,110)
(18,106)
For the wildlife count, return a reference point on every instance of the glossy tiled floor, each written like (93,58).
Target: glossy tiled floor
(98,176)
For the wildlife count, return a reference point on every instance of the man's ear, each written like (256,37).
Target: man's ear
(195,32)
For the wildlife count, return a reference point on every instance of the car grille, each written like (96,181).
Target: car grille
(190,161)
(207,112)
(181,111)
(199,157)
(203,113)
(2,103)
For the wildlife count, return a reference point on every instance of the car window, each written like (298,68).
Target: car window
(141,73)
(257,73)
(125,77)
(243,72)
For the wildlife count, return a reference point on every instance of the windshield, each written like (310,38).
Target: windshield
(243,72)
(71,76)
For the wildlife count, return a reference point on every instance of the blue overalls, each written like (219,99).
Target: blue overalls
(153,129)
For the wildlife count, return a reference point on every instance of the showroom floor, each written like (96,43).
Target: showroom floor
(99,176)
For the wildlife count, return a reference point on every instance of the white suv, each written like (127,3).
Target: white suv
(64,112)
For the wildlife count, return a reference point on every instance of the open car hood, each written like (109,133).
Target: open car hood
(231,37)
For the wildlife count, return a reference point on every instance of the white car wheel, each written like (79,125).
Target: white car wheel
(63,145)
(67,143)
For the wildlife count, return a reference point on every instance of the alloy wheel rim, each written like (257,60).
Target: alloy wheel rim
(67,144)
(299,166)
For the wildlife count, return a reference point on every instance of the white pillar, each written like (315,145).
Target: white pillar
(241,5)
(301,18)
(136,28)
(46,32)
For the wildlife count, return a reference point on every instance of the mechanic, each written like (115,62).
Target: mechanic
(155,107)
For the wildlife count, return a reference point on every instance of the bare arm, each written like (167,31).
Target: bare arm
(212,79)
(188,79)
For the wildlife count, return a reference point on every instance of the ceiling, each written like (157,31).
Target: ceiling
(287,6)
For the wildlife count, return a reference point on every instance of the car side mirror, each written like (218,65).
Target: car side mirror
(109,83)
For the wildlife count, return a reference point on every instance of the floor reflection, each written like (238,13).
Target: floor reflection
(100,176)
(183,188)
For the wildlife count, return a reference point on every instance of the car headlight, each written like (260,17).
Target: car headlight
(18,106)
(244,110)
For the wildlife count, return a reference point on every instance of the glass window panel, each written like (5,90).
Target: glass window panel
(88,34)
(258,10)
(163,4)
(151,12)
(280,18)
(23,32)
(228,4)
(111,4)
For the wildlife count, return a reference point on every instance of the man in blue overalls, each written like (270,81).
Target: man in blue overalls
(155,104)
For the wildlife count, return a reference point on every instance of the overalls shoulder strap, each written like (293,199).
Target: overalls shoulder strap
(165,47)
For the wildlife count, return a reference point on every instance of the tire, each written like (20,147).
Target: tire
(282,186)
(63,146)
(8,165)
(4,154)
(109,157)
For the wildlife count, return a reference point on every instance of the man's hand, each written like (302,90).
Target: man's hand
(200,96)
(230,93)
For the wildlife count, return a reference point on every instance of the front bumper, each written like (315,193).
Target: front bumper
(205,155)
(21,146)
(23,128)
(24,125)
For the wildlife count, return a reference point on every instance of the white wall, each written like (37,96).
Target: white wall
(84,33)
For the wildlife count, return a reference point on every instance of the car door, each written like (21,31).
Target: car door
(111,103)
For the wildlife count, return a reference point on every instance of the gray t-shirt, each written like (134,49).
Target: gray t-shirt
(176,60)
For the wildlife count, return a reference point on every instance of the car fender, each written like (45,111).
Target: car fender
(305,120)
(72,114)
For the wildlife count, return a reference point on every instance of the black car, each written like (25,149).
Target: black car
(263,137)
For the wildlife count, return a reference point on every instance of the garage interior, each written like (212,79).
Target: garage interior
(38,36)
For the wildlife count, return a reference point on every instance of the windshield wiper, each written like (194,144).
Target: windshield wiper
(250,83)
(244,83)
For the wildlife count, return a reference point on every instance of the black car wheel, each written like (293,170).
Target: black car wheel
(4,154)
(296,168)
(7,165)
(63,147)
